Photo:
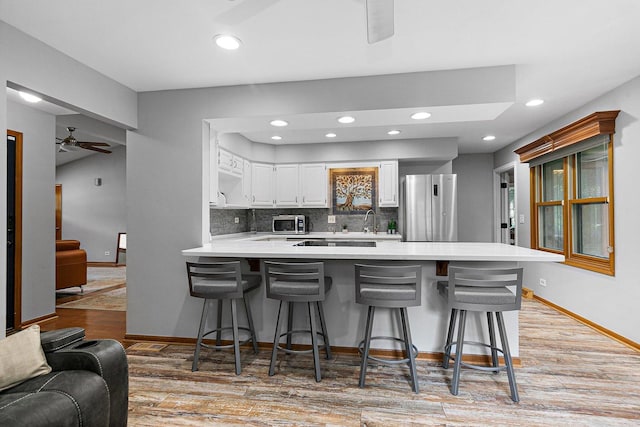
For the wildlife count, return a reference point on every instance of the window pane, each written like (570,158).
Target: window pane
(593,173)
(551,235)
(591,229)
(553,181)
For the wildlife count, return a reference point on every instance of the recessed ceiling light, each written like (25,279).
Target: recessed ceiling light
(346,119)
(331,135)
(29,97)
(489,138)
(421,115)
(534,102)
(393,132)
(276,137)
(279,123)
(227,42)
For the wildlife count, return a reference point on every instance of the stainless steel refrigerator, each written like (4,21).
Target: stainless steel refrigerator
(429,208)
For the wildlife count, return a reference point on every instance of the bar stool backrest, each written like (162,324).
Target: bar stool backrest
(484,289)
(215,279)
(294,281)
(389,285)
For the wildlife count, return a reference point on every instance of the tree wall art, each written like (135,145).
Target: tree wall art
(353,190)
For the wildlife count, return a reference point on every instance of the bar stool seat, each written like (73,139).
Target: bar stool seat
(296,282)
(222,281)
(481,290)
(396,287)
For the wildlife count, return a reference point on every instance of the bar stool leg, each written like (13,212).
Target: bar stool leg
(507,358)
(323,325)
(247,308)
(458,360)
(447,345)
(236,340)
(203,319)
(219,325)
(314,341)
(289,323)
(406,330)
(492,341)
(276,339)
(367,345)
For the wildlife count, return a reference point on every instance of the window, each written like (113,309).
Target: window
(572,195)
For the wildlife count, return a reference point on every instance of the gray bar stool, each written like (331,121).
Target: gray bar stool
(222,281)
(481,290)
(396,287)
(298,282)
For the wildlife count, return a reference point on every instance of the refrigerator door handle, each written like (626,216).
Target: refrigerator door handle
(435,190)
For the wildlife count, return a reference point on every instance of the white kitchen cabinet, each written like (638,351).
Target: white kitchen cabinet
(246,181)
(388,184)
(313,185)
(262,185)
(230,163)
(287,186)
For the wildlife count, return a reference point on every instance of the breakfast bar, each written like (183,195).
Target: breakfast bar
(345,318)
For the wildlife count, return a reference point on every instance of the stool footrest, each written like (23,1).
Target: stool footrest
(471,365)
(414,351)
(224,346)
(298,331)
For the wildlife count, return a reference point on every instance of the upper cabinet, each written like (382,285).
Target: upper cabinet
(246,181)
(262,185)
(287,188)
(388,184)
(313,185)
(230,163)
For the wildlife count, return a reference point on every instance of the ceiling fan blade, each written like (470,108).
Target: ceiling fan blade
(379,20)
(97,144)
(99,150)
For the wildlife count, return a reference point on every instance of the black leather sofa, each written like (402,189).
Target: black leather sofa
(88,385)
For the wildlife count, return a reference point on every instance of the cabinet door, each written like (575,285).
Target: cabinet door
(287,185)
(313,184)
(213,173)
(246,181)
(225,160)
(388,184)
(237,165)
(262,184)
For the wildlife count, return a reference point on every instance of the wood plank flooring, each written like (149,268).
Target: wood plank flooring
(570,375)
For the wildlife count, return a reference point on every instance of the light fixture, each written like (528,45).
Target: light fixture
(534,102)
(331,135)
(29,97)
(421,115)
(488,138)
(346,119)
(228,42)
(278,123)
(393,132)
(276,137)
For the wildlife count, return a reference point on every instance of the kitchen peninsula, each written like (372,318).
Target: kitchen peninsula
(345,318)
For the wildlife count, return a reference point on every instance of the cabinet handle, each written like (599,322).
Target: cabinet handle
(394,197)
(254,199)
(296,199)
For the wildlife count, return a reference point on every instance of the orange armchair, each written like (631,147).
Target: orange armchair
(71,264)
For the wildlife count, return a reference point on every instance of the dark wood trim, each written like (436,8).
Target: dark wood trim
(598,123)
(17,285)
(58,211)
(434,357)
(604,331)
(103,264)
(38,320)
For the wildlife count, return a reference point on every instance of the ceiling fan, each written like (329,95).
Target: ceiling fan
(70,143)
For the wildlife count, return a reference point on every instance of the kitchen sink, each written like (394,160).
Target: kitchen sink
(354,243)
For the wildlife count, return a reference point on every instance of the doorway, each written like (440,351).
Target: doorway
(14,230)
(505,205)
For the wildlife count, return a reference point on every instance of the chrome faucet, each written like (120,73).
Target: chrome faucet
(365,229)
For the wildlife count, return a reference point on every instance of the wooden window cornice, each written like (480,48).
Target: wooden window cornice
(598,123)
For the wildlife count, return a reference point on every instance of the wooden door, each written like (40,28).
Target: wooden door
(58,211)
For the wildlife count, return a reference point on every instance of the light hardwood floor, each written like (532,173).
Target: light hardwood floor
(570,375)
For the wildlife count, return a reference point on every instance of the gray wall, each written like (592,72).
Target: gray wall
(475,197)
(611,302)
(94,214)
(26,62)
(38,208)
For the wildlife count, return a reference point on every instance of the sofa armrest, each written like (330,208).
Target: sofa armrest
(60,338)
(106,358)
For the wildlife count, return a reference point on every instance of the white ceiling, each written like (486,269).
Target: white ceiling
(566,52)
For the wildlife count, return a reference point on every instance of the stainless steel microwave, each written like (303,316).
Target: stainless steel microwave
(290,224)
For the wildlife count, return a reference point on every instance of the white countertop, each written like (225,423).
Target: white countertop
(247,245)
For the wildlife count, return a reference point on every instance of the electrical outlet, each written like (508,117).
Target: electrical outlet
(107,253)
(543,282)
(331,219)
(521,218)
(236,220)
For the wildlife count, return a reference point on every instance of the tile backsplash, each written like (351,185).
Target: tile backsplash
(222,221)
